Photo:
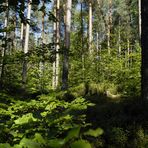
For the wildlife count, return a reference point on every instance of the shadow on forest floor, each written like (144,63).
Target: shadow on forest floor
(121,112)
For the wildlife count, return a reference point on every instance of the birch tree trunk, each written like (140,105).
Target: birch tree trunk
(55,79)
(24,72)
(139,8)
(22,37)
(57,42)
(67,46)
(27,27)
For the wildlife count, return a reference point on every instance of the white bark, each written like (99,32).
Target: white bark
(139,6)
(24,72)
(22,30)
(22,35)
(68,22)
(119,39)
(27,27)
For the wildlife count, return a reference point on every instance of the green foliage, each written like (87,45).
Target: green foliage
(73,133)
(81,144)
(94,133)
(117,137)
(56,143)
(68,118)
(48,117)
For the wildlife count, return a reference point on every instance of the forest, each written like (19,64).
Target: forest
(73,73)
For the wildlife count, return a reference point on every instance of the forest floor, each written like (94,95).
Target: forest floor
(123,120)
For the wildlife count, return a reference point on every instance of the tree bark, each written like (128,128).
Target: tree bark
(139,8)
(22,37)
(57,41)
(55,79)
(24,72)
(27,27)
(90,27)
(82,44)
(2,66)
(41,63)
(67,46)
(109,26)
(144,45)
(119,39)
(54,62)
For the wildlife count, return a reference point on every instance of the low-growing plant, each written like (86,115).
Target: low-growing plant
(27,122)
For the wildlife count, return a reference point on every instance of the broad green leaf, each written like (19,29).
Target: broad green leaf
(5,145)
(38,138)
(73,133)
(95,133)
(29,143)
(25,119)
(81,144)
(51,106)
(44,114)
(56,143)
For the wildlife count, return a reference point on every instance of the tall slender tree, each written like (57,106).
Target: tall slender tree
(82,41)
(90,27)
(139,10)
(54,40)
(22,37)
(109,24)
(24,72)
(67,45)
(57,41)
(55,78)
(4,50)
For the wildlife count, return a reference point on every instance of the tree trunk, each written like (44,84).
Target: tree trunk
(82,42)
(54,62)
(128,52)
(41,63)
(57,41)
(144,44)
(109,26)
(139,8)
(27,27)
(2,66)
(14,30)
(22,37)
(90,27)
(67,46)
(55,79)
(24,73)
(119,39)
